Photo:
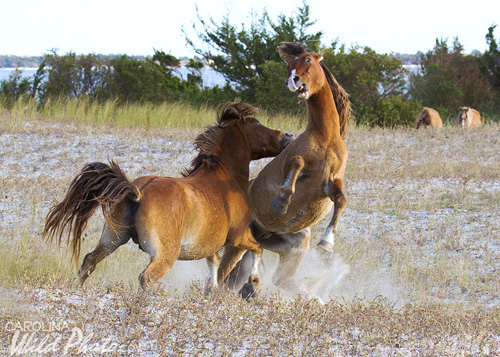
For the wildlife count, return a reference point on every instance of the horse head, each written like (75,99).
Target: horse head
(462,116)
(305,72)
(262,141)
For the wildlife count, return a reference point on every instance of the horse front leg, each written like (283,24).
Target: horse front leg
(243,242)
(281,203)
(249,289)
(213,267)
(333,190)
(230,258)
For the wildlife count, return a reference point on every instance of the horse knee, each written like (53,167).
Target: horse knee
(296,163)
(341,200)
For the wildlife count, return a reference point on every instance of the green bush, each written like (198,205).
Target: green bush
(14,88)
(388,112)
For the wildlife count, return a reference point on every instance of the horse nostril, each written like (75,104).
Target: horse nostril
(296,78)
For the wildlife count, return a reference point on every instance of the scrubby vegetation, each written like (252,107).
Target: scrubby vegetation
(383,92)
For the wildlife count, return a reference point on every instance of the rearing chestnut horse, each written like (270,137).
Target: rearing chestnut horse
(174,218)
(299,186)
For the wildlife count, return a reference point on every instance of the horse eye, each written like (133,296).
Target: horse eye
(308,59)
(256,122)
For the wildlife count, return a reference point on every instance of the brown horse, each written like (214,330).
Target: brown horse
(174,218)
(468,117)
(299,186)
(428,118)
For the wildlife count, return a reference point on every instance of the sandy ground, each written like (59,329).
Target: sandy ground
(450,222)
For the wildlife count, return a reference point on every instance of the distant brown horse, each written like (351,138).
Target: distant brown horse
(428,118)
(468,117)
(299,186)
(174,218)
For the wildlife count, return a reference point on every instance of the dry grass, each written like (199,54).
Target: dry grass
(110,114)
(415,269)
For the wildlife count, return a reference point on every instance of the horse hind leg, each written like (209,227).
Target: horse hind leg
(249,289)
(291,248)
(163,256)
(108,243)
(334,191)
(281,203)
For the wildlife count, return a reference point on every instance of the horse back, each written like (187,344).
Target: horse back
(476,118)
(428,117)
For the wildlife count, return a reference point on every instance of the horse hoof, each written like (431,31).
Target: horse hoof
(278,208)
(326,246)
(248,291)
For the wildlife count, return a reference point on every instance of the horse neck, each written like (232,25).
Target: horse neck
(322,116)
(235,154)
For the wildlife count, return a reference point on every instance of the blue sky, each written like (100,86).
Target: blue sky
(32,27)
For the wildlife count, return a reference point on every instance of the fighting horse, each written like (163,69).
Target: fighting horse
(300,185)
(468,117)
(428,118)
(186,218)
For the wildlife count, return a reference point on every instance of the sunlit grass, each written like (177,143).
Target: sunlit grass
(177,115)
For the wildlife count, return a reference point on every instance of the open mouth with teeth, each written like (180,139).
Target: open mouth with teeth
(294,84)
(302,92)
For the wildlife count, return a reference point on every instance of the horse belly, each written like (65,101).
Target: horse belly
(304,211)
(205,231)
(200,246)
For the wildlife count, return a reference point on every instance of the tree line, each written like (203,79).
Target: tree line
(382,91)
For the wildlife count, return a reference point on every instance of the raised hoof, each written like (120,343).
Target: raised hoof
(326,246)
(248,291)
(278,208)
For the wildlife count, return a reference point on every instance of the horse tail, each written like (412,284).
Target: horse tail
(342,102)
(97,185)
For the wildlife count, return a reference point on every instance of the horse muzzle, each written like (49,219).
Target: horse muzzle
(286,139)
(295,84)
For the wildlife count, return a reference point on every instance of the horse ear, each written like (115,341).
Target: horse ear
(226,123)
(320,58)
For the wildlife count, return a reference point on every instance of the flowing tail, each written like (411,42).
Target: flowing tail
(97,185)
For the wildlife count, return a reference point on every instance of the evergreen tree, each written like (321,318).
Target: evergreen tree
(448,79)
(241,54)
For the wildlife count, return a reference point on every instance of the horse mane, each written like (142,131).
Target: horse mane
(290,50)
(207,142)
(341,98)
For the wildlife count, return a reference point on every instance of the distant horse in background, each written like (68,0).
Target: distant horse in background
(468,117)
(299,186)
(428,118)
(174,218)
